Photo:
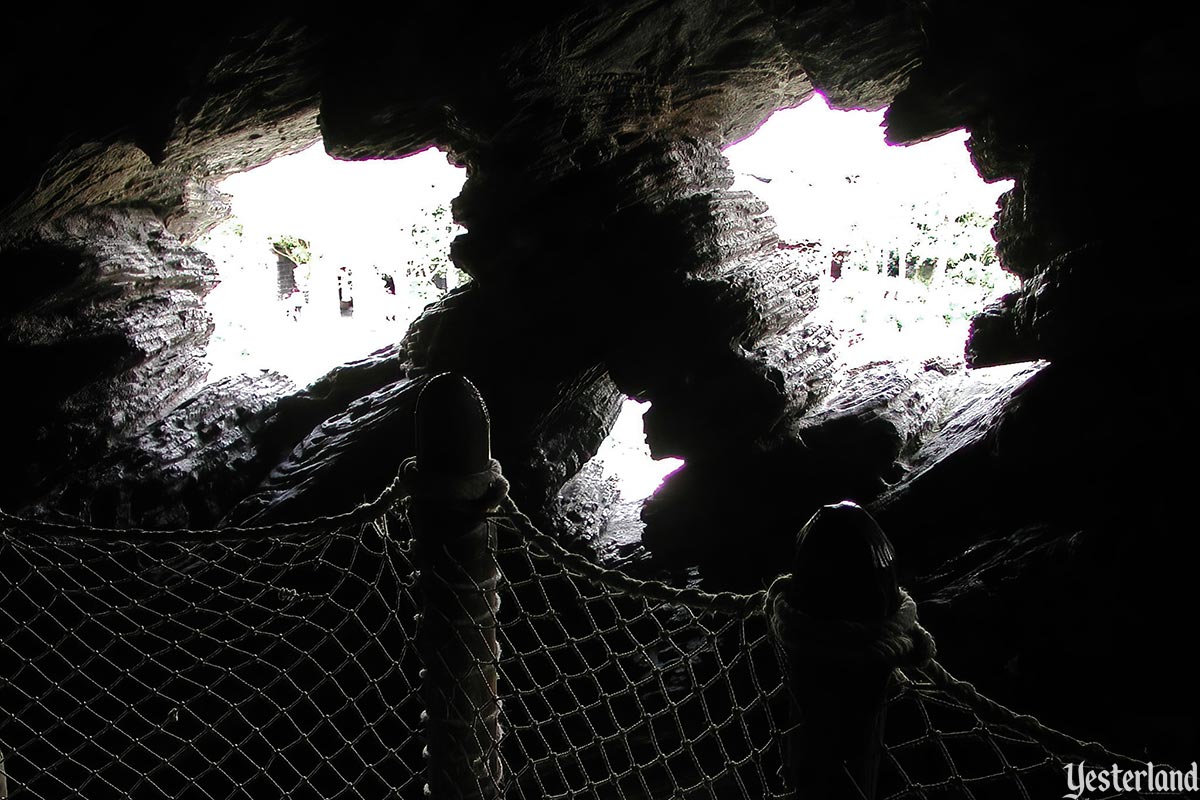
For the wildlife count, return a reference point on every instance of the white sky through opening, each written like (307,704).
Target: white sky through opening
(355,215)
(829,178)
(350,208)
(626,456)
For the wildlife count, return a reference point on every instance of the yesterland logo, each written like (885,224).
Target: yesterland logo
(1083,781)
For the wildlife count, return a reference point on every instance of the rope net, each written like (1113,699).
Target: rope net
(937,746)
(618,688)
(615,694)
(288,666)
(279,667)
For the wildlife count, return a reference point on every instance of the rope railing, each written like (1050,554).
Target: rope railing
(901,642)
(364,513)
(628,694)
(274,666)
(435,637)
(730,603)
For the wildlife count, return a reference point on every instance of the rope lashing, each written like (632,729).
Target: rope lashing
(482,491)
(898,641)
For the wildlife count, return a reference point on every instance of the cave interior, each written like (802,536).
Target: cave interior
(1039,519)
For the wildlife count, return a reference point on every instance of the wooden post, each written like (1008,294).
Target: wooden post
(456,636)
(843,572)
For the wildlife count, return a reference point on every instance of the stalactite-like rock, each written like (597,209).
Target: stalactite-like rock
(212,108)
(859,55)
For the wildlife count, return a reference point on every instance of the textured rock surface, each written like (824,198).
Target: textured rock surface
(227,94)
(104,327)
(1040,449)
(590,510)
(346,460)
(851,444)
(1059,314)
(563,90)
(193,466)
(937,492)
(546,425)
(860,55)
(184,470)
(605,241)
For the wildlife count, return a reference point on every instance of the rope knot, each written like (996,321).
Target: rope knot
(481,491)
(898,641)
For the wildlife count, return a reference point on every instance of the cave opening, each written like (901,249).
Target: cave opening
(324,261)
(1022,502)
(901,235)
(602,502)
(625,457)
(883,255)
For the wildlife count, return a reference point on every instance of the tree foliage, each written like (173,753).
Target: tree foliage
(427,265)
(293,248)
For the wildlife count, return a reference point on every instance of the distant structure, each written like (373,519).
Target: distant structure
(285,275)
(345,284)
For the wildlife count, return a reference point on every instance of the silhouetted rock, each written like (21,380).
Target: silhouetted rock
(610,257)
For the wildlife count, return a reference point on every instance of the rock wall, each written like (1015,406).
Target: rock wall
(609,257)
(103,333)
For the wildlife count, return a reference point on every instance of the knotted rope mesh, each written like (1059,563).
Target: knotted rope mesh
(273,667)
(613,693)
(720,710)
(282,664)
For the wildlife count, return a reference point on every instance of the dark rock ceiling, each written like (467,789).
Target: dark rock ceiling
(592,138)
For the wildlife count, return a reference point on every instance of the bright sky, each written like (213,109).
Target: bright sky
(355,214)
(626,456)
(350,210)
(829,177)
(816,147)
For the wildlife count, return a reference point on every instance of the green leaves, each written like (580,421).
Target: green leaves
(428,266)
(293,248)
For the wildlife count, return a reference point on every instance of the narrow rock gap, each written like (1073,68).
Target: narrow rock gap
(601,503)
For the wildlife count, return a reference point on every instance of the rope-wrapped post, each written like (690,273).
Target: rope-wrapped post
(842,590)
(454,483)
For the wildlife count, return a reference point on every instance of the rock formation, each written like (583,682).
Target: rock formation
(609,257)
